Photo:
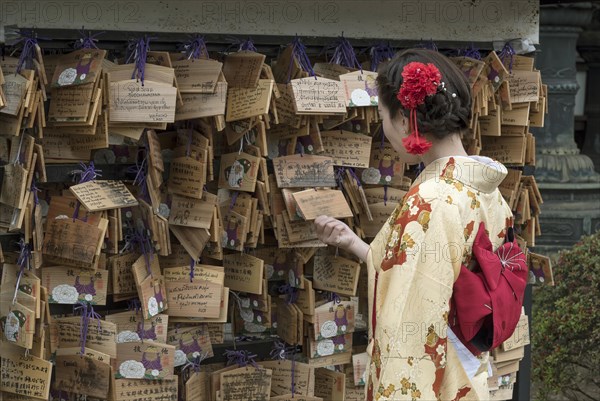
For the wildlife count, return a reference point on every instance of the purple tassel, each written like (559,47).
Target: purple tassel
(87,40)
(248,44)
(86,174)
(299,54)
(139,239)
(233,200)
(343,53)
(23,261)
(380,53)
(507,52)
(334,297)
(195,364)
(470,52)
(428,45)
(241,358)
(339,176)
(140,171)
(34,189)
(353,174)
(192,265)
(281,352)
(291,293)
(138,54)
(29,40)
(196,48)
(87,313)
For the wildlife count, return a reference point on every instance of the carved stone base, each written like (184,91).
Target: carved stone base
(568,212)
(560,167)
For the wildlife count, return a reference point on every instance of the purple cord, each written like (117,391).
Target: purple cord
(380,53)
(385,197)
(87,41)
(241,358)
(281,352)
(140,171)
(248,44)
(34,189)
(299,54)
(192,265)
(233,200)
(343,53)
(87,313)
(141,240)
(86,174)
(430,44)
(196,48)
(24,261)
(138,54)
(29,39)
(339,176)
(334,297)
(291,293)
(507,51)
(471,52)
(353,174)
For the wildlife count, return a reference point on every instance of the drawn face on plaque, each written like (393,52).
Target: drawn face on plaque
(188,343)
(231,234)
(146,332)
(12,324)
(84,284)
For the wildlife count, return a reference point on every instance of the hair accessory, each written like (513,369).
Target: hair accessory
(418,81)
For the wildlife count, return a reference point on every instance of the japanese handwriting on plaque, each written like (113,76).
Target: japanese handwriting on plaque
(82,374)
(247,383)
(140,390)
(244,273)
(69,285)
(187,177)
(144,360)
(191,342)
(347,148)
(25,375)
(191,212)
(360,88)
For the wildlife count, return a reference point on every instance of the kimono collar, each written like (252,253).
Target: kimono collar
(479,172)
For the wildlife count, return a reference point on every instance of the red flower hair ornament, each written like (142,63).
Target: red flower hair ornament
(418,81)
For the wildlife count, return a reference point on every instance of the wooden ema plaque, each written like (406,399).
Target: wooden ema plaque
(315,95)
(27,376)
(103,195)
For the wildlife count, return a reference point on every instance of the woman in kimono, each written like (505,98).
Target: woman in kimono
(425,105)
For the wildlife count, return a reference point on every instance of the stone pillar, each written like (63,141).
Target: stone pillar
(558,158)
(569,185)
(589,49)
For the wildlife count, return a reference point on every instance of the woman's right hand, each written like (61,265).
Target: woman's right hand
(334,232)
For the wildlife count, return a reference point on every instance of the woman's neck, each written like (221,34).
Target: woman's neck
(448,146)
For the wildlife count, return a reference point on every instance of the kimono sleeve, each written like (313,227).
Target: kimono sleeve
(409,357)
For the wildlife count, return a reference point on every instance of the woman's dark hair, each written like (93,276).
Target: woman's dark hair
(441,114)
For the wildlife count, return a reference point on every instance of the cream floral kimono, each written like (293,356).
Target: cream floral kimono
(413,263)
